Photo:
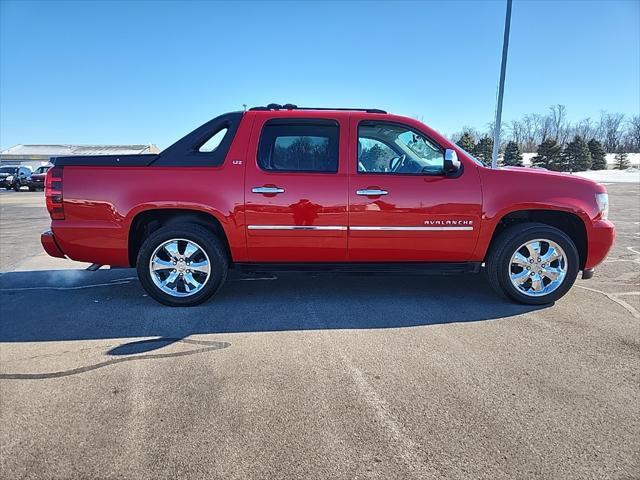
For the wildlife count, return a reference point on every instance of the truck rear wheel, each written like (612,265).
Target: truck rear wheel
(182,265)
(533,263)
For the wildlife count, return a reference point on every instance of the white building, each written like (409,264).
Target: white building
(36,155)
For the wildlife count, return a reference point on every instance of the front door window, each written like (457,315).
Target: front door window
(389,148)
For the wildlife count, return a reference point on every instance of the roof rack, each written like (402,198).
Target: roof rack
(291,106)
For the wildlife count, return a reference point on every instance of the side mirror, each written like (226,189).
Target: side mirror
(451,162)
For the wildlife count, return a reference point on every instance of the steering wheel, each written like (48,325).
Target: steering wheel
(396,163)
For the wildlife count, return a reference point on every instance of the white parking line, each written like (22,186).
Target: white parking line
(612,297)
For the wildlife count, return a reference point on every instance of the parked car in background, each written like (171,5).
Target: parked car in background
(14,177)
(36,180)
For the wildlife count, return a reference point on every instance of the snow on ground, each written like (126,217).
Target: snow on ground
(631,175)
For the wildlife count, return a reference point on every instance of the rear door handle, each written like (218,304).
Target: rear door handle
(267,190)
(373,192)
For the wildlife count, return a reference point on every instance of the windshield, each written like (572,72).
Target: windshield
(42,169)
(8,169)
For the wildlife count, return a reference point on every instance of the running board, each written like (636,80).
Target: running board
(404,268)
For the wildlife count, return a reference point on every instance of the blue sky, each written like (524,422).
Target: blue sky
(148,72)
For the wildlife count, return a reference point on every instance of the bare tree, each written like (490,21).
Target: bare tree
(585,128)
(532,131)
(558,124)
(516,130)
(475,134)
(546,127)
(633,132)
(610,130)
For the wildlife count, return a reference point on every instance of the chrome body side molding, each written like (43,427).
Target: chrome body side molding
(358,228)
(297,227)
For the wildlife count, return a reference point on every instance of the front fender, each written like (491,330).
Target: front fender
(507,191)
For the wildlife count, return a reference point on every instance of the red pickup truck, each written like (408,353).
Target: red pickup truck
(283,187)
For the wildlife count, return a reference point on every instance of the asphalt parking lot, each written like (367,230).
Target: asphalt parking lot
(306,376)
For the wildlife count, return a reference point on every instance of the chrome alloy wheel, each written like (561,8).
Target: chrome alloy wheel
(538,267)
(180,267)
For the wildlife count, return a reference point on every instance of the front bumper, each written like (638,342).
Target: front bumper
(50,245)
(601,238)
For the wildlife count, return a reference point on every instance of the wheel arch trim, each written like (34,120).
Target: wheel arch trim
(191,212)
(537,213)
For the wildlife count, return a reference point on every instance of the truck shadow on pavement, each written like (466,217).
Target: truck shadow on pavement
(79,305)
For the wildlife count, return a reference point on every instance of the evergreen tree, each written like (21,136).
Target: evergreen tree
(622,162)
(512,155)
(467,142)
(576,156)
(549,155)
(598,155)
(484,149)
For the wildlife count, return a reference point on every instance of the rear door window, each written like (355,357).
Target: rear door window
(299,146)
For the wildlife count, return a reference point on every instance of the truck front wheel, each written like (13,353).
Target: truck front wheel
(182,265)
(533,263)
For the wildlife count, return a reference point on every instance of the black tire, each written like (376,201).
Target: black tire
(16,187)
(207,240)
(32,189)
(498,266)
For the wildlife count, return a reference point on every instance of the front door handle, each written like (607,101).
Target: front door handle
(267,190)
(371,192)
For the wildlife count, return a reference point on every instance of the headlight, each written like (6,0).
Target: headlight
(9,178)
(602,199)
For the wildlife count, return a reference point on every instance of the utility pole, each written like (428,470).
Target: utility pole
(503,68)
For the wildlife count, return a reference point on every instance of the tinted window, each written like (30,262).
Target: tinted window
(304,147)
(395,149)
(8,170)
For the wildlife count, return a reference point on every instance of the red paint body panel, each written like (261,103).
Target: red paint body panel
(412,200)
(512,189)
(309,199)
(101,202)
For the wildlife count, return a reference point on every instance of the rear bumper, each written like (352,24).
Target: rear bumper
(50,245)
(601,239)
